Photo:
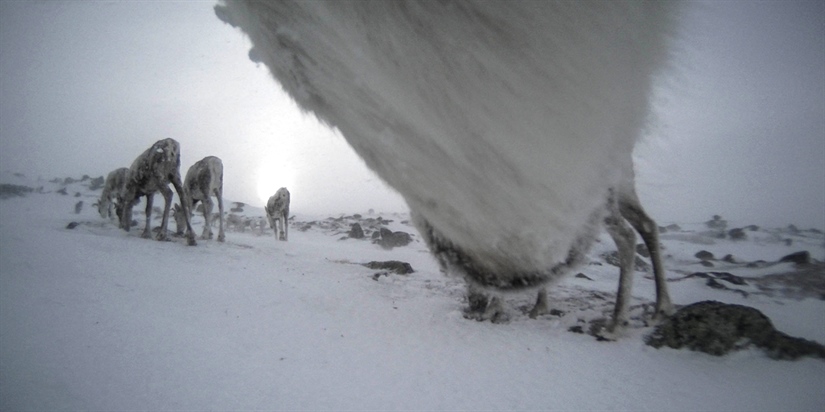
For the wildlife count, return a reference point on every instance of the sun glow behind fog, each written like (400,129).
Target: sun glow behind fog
(274,174)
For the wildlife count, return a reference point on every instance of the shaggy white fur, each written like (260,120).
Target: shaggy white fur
(504,124)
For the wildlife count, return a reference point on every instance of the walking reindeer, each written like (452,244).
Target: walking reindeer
(277,211)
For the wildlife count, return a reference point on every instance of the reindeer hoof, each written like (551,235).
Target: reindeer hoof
(191,241)
(221,238)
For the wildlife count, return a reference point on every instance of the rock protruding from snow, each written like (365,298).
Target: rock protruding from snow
(390,239)
(718,328)
(800,258)
(356,232)
(396,266)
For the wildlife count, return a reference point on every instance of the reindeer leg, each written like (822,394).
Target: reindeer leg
(482,307)
(219,195)
(147,231)
(187,210)
(286,224)
(164,222)
(540,307)
(625,240)
(207,216)
(631,209)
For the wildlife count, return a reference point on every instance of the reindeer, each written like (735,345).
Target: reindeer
(112,190)
(507,126)
(153,171)
(203,180)
(277,212)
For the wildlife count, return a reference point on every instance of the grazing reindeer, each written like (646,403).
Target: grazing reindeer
(112,190)
(504,124)
(152,171)
(203,180)
(277,211)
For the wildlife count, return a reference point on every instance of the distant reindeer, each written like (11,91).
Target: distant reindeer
(277,212)
(113,189)
(203,180)
(151,172)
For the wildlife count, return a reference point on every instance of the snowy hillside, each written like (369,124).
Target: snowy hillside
(94,318)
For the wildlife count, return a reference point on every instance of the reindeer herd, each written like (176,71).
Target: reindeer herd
(158,167)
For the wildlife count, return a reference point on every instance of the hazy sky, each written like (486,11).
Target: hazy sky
(85,87)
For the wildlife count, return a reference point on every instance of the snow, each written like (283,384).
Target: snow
(94,318)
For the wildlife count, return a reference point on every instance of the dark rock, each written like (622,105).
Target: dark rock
(707,263)
(752,228)
(788,242)
(96,183)
(62,191)
(78,207)
(68,181)
(582,276)
(356,232)
(673,228)
(376,235)
(717,223)
(356,216)
(556,312)
(727,277)
(717,328)
(390,239)
(72,225)
(77,194)
(704,255)
(729,258)
(737,234)
(9,190)
(799,258)
(662,229)
(576,329)
(793,229)
(757,264)
(401,268)
(641,249)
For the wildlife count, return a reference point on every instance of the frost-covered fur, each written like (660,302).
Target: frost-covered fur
(504,124)
(112,191)
(277,211)
(204,179)
(153,171)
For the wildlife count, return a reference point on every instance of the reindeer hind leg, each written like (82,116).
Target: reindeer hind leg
(625,240)
(631,209)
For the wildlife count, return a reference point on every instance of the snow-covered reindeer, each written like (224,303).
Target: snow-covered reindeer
(204,179)
(151,172)
(277,212)
(508,126)
(112,188)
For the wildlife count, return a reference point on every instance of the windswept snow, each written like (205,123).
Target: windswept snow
(94,318)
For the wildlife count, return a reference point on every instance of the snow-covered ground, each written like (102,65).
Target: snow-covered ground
(94,318)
